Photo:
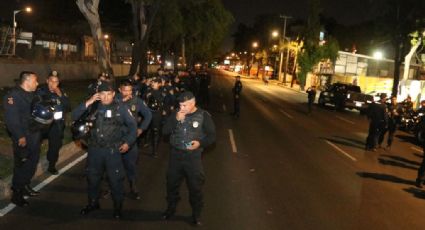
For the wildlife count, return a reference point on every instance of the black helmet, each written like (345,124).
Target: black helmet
(153,103)
(80,129)
(42,112)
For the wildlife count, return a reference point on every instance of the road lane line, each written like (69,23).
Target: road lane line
(417,149)
(286,114)
(232,141)
(48,180)
(341,151)
(224,108)
(343,119)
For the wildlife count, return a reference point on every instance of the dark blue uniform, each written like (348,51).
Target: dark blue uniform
(138,109)
(19,123)
(237,90)
(56,130)
(378,116)
(114,125)
(155,101)
(184,163)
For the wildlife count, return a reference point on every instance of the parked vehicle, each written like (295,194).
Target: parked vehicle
(345,96)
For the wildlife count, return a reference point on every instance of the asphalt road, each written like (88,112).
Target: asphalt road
(283,169)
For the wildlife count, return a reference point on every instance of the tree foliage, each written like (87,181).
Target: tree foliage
(313,52)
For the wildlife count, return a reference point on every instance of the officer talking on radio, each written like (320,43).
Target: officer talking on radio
(60,101)
(191,130)
(113,132)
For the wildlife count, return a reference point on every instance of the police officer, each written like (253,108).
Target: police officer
(92,88)
(113,132)
(143,116)
(154,98)
(311,96)
(237,90)
(191,129)
(378,116)
(204,89)
(53,93)
(137,85)
(26,140)
(394,111)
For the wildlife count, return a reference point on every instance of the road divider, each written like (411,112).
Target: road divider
(48,180)
(341,151)
(232,141)
(346,120)
(286,114)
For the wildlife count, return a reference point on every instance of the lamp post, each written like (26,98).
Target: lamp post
(107,46)
(281,54)
(15,12)
(254,46)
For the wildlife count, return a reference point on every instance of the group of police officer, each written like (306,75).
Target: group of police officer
(112,125)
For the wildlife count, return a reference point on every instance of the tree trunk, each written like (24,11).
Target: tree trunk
(397,64)
(89,8)
(183,52)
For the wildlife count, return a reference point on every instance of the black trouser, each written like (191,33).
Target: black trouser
(310,104)
(24,171)
(185,165)
(421,170)
(55,137)
(100,160)
(130,162)
(375,130)
(392,128)
(154,131)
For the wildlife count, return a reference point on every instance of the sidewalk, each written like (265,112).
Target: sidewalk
(295,88)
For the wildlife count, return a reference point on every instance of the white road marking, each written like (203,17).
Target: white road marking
(224,108)
(417,149)
(341,151)
(343,119)
(232,141)
(11,206)
(286,114)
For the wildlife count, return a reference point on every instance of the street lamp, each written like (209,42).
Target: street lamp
(378,55)
(15,12)
(275,33)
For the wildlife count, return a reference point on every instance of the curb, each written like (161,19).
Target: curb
(66,152)
(275,82)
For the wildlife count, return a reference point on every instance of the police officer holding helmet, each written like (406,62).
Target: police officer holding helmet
(112,134)
(191,130)
(53,93)
(24,116)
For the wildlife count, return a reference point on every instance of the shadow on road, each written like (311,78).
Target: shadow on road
(402,159)
(343,142)
(407,138)
(362,143)
(396,163)
(385,177)
(418,193)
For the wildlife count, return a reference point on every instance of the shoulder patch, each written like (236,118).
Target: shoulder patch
(10,100)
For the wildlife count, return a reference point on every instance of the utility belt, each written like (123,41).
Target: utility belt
(108,145)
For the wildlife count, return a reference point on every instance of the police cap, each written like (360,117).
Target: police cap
(185,96)
(105,86)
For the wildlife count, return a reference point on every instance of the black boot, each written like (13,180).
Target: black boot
(117,210)
(167,214)
(28,191)
(18,198)
(92,206)
(52,168)
(196,221)
(133,191)
(418,183)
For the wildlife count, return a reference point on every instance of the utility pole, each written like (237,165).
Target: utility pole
(281,53)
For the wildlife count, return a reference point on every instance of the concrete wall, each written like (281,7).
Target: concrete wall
(76,71)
